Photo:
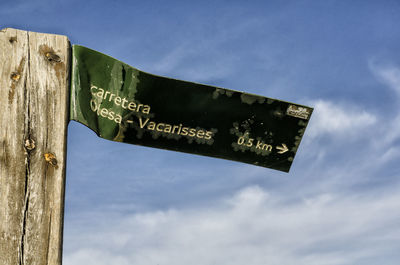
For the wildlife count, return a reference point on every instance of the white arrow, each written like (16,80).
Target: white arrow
(282,149)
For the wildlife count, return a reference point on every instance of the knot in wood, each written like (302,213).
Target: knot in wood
(30,144)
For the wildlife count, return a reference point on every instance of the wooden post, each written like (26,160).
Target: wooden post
(34,92)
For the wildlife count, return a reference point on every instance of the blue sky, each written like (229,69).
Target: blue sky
(340,204)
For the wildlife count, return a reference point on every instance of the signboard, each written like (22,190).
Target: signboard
(121,103)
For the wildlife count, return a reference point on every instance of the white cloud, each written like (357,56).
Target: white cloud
(96,256)
(390,154)
(185,60)
(251,227)
(389,133)
(337,119)
(208,53)
(388,74)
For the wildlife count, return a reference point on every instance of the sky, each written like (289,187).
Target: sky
(340,203)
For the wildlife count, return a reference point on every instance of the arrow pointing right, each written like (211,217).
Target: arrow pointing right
(282,149)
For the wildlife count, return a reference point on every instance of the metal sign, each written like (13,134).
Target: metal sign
(121,103)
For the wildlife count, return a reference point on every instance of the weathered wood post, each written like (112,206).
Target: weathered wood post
(34,83)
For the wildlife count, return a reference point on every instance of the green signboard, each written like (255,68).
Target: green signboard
(121,103)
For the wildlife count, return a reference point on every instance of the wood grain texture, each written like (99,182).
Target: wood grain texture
(34,84)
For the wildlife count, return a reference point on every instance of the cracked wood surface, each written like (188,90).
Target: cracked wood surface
(33,128)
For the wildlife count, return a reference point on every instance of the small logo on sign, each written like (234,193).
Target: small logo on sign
(298,112)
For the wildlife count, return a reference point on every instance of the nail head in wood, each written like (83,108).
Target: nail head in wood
(50,158)
(15,76)
(52,57)
(12,39)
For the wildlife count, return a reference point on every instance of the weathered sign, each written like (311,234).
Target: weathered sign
(121,103)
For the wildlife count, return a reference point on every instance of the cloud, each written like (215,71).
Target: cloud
(212,51)
(336,119)
(390,154)
(389,133)
(251,227)
(388,74)
(184,59)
